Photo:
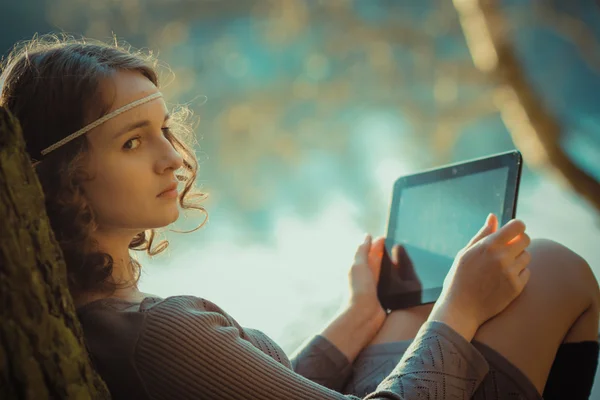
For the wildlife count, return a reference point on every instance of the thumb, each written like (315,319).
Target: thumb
(375,255)
(491,225)
(362,253)
(396,253)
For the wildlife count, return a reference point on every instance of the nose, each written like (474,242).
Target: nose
(169,159)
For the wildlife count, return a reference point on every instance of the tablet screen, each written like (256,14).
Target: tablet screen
(453,211)
(433,218)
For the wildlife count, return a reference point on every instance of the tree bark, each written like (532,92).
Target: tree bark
(42,352)
(534,130)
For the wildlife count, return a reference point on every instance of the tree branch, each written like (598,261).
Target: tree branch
(535,131)
(572,29)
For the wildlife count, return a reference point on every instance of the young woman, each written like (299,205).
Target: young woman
(516,316)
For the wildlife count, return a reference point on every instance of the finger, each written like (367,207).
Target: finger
(494,222)
(523,278)
(518,245)
(520,263)
(376,253)
(505,234)
(396,255)
(490,226)
(362,253)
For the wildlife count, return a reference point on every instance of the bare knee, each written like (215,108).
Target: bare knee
(574,271)
(568,267)
(557,305)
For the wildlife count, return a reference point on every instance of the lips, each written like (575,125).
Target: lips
(172,186)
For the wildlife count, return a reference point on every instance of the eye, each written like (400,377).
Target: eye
(125,145)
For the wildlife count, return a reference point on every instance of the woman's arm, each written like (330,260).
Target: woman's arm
(439,360)
(481,282)
(185,351)
(351,330)
(327,358)
(358,323)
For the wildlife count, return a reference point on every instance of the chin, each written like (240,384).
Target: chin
(163,220)
(174,217)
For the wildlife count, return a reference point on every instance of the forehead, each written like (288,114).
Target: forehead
(123,88)
(126,86)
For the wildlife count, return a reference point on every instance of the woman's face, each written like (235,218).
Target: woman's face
(131,161)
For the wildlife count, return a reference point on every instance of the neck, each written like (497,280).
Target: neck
(123,274)
(116,243)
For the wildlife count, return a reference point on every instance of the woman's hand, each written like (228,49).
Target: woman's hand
(363,278)
(360,320)
(487,275)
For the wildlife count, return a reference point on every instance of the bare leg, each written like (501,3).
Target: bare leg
(402,324)
(560,304)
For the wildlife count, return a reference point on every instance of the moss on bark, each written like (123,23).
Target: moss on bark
(42,352)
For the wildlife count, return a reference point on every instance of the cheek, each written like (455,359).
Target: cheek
(115,196)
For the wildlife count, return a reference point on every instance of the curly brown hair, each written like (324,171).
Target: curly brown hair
(51,84)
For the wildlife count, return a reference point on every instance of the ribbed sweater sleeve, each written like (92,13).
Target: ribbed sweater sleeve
(321,362)
(187,352)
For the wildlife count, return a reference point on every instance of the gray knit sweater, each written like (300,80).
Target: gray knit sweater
(185,347)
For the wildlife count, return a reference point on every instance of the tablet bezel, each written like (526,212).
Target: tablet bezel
(511,159)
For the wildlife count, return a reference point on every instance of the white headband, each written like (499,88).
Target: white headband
(99,121)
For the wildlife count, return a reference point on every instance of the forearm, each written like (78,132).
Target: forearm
(327,358)
(351,330)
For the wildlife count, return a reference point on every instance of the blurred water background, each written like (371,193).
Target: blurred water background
(309,110)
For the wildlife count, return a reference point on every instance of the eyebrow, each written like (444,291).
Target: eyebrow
(137,125)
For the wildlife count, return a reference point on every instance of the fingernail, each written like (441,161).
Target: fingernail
(367,238)
(488,219)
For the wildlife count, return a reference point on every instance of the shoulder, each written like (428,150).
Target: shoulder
(110,317)
(197,329)
(190,348)
(187,321)
(181,302)
(177,316)
(186,309)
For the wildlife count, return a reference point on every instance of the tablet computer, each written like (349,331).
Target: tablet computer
(433,215)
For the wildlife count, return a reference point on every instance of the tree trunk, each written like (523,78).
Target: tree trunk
(42,352)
